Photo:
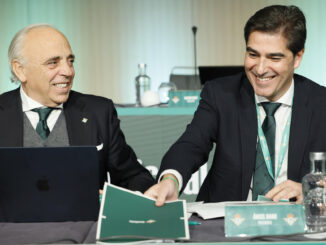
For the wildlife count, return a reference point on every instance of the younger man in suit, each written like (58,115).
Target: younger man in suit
(264,122)
(44,111)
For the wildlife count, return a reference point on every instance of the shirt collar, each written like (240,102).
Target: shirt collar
(286,99)
(29,104)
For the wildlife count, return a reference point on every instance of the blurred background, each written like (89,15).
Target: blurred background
(110,37)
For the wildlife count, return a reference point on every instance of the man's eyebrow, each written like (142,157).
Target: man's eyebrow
(55,58)
(249,49)
(71,56)
(276,54)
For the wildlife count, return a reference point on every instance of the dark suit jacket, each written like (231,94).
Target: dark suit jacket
(226,115)
(102,127)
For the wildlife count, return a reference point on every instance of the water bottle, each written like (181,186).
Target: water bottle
(314,193)
(142,82)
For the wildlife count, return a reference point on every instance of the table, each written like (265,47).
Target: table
(84,232)
(48,233)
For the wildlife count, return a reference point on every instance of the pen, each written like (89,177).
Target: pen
(193,223)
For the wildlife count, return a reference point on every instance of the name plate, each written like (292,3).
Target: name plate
(264,219)
(184,98)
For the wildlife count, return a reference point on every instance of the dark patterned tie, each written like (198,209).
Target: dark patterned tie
(42,128)
(262,181)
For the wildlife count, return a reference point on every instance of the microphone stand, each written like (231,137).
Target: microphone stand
(194,30)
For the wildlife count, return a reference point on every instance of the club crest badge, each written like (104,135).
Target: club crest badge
(290,219)
(237,219)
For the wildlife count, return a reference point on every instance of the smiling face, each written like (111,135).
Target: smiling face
(47,73)
(269,64)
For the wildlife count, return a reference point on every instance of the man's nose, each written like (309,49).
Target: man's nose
(261,66)
(67,69)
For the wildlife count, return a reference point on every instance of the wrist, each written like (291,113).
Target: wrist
(173,178)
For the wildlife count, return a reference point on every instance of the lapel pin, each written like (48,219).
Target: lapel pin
(84,120)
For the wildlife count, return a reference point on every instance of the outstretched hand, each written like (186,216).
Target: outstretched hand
(166,190)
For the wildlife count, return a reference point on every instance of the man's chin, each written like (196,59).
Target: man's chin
(264,93)
(59,100)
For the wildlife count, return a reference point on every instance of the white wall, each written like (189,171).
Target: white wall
(110,37)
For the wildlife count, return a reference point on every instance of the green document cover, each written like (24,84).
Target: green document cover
(127,216)
(264,219)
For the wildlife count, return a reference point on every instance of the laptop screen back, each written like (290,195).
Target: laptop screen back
(207,73)
(49,184)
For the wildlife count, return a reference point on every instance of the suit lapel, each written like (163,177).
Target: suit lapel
(301,116)
(80,125)
(248,134)
(11,120)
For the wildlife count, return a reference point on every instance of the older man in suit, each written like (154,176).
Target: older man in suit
(44,111)
(264,121)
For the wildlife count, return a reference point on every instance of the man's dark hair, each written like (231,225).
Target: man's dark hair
(289,20)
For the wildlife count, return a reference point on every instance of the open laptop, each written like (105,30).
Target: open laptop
(207,73)
(49,184)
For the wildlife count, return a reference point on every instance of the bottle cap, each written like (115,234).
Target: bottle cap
(317,156)
(142,65)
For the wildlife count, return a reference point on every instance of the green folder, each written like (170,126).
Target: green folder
(127,216)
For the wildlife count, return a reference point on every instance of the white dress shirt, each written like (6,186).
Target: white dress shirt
(29,104)
(281,116)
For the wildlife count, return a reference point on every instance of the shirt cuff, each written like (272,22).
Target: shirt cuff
(175,173)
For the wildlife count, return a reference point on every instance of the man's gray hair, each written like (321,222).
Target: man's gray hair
(16,46)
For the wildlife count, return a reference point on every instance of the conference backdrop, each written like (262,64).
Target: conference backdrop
(110,37)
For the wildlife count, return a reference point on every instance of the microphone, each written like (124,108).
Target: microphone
(194,31)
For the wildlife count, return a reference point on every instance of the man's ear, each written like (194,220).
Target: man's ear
(297,59)
(19,71)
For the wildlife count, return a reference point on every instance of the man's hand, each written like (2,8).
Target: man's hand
(166,190)
(286,190)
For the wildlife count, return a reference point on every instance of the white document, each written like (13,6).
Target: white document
(317,236)
(214,209)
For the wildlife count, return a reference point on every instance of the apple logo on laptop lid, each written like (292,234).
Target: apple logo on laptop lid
(42,184)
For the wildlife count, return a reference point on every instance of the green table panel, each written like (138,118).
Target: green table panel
(151,131)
